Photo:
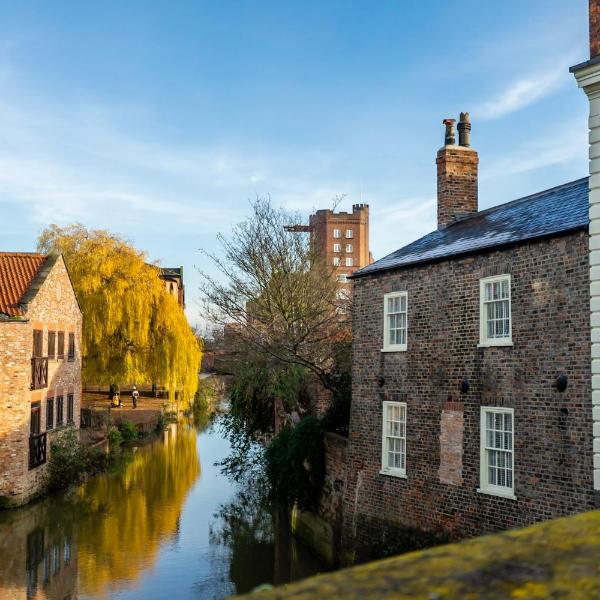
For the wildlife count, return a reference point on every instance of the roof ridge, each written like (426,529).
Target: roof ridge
(35,254)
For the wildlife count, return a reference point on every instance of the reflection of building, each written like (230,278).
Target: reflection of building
(173,278)
(40,366)
(38,561)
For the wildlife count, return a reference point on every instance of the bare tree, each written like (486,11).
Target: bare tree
(281,296)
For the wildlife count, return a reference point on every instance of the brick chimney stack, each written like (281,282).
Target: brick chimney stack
(594,28)
(457,173)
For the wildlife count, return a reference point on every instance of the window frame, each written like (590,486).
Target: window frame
(336,261)
(349,261)
(49,413)
(385,469)
(60,345)
(484,341)
(38,343)
(337,233)
(387,347)
(349,248)
(484,486)
(35,418)
(71,347)
(337,247)
(60,410)
(349,234)
(51,344)
(342,278)
(70,409)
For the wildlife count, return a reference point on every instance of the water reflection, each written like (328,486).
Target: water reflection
(38,556)
(130,515)
(253,538)
(161,527)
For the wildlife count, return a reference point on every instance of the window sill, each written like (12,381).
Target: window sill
(494,344)
(399,349)
(499,494)
(393,474)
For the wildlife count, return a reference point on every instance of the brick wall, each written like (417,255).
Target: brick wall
(15,378)
(456,183)
(594,28)
(54,308)
(452,424)
(325,221)
(320,397)
(331,504)
(553,441)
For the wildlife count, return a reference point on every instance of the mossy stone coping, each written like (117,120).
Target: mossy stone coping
(555,559)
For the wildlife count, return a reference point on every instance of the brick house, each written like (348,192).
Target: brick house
(472,406)
(40,367)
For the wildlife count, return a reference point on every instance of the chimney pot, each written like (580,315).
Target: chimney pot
(450,137)
(457,175)
(464,130)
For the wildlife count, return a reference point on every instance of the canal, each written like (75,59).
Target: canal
(168,524)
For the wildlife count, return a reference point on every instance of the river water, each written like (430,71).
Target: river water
(168,524)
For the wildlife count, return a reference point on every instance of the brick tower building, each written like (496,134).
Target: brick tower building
(342,239)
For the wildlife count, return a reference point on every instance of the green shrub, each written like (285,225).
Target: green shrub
(69,460)
(161,423)
(295,463)
(256,388)
(114,437)
(128,431)
(337,416)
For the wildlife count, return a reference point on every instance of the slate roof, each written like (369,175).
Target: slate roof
(171,272)
(17,272)
(551,212)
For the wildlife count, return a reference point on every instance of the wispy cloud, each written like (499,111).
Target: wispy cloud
(543,152)
(524,92)
(62,166)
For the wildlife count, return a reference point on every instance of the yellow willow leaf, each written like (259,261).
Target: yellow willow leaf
(133,329)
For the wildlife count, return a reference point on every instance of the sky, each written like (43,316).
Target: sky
(160,121)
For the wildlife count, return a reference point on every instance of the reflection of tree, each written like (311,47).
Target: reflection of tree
(133,513)
(243,528)
(253,537)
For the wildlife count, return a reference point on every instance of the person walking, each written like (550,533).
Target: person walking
(134,396)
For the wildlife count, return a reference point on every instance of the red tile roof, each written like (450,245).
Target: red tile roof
(17,271)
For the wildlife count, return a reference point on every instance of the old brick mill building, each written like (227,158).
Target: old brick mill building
(472,404)
(40,367)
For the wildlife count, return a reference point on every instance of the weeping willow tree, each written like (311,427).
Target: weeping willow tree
(133,329)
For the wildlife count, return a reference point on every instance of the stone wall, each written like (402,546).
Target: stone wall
(331,504)
(320,397)
(54,308)
(553,430)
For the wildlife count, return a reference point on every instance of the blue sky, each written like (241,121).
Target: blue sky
(159,120)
